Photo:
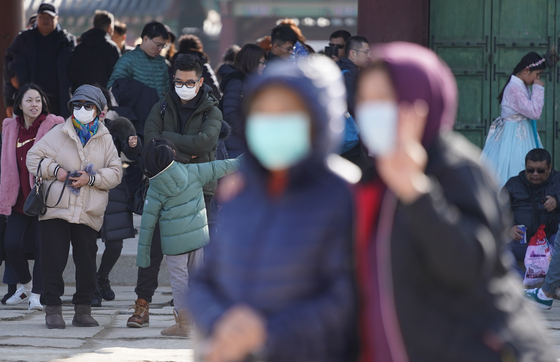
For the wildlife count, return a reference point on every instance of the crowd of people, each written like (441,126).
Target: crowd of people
(351,223)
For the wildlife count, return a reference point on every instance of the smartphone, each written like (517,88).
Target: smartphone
(331,51)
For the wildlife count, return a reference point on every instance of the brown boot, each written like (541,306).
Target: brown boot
(83,317)
(182,326)
(53,318)
(141,316)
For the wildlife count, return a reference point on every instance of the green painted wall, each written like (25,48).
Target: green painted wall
(482,41)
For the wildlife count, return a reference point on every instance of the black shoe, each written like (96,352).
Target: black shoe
(171,303)
(105,288)
(96,299)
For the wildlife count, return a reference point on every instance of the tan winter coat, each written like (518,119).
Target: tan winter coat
(62,146)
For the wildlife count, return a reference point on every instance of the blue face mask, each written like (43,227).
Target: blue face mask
(378,123)
(279,141)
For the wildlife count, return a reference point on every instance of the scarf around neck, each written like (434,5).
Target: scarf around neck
(85,131)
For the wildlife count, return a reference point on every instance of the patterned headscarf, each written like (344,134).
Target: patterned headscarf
(85,131)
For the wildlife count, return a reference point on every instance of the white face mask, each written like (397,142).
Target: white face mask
(84,116)
(378,123)
(185,93)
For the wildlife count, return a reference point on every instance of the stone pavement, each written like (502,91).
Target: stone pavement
(24,336)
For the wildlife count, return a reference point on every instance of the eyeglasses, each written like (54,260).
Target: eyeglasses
(339,46)
(189,83)
(87,106)
(262,62)
(538,170)
(368,52)
(290,50)
(159,45)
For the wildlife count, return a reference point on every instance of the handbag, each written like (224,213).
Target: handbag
(137,205)
(35,203)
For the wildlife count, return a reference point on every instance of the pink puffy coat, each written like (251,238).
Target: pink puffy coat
(9,179)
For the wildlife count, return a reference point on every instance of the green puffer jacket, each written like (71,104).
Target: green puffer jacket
(136,64)
(199,139)
(175,198)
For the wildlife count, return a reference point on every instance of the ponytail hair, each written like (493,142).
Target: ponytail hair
(531,61)
(157,155)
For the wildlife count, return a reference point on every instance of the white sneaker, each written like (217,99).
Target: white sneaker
(19,296)
(35,302)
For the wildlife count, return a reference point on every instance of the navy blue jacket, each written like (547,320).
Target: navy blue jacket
(289,257)
(350,81)
(233,88)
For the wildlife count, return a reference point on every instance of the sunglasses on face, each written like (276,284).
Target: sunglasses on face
(87,106)
(339,46)
(538,170)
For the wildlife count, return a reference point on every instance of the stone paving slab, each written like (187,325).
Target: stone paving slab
(130,354)
(43,342)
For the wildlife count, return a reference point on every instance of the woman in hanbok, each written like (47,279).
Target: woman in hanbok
(514,133)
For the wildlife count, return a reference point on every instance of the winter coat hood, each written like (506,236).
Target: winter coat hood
(418,73)
(230,74)
(166,183)
(318,81)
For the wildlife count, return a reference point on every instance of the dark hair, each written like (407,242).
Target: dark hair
(19,97)
(282,34)
(102,19)
(538,155)
(527,60)
(344,34)
(248,58)
(120,28)
(353,43)
(156,156)
(153,30)
(230,53)
(190,42)
(292,24)
(188,62)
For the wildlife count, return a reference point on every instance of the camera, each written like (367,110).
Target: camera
(331,51)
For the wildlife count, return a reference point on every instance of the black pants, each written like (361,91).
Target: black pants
(147,281)
(56,236)
(22,236)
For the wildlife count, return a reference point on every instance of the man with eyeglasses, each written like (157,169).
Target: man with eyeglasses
(357,57)
(338,40)
(144,63)
(533,195)
(189,117)
(283,39)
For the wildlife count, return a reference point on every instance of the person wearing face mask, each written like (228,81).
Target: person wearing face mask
(434,273)
(74,215)
(190,118)
(277,282)
(19,134)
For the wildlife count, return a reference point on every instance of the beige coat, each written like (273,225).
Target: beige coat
(62,146)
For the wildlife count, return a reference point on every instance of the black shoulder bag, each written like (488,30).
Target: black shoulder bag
(35,204)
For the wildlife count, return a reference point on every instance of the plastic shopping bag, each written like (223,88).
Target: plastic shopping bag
(537,260)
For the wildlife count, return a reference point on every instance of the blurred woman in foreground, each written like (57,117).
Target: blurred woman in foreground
(282,289)
(434,271)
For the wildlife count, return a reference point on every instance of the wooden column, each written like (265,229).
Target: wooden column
(391,20)
(11,23)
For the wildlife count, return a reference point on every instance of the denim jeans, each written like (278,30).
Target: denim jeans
(552,280)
